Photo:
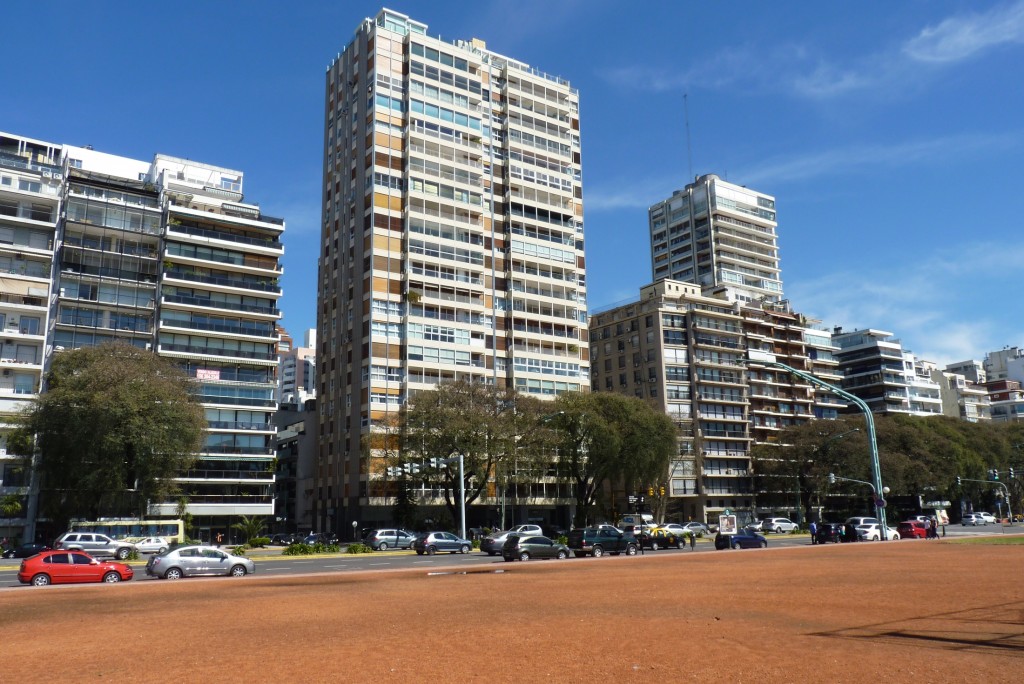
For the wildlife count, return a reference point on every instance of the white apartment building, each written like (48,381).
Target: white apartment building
(717,234)
(164,255)
(297,375)
(452,241)
(1005,364)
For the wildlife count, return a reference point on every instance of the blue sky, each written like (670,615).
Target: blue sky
(891,134)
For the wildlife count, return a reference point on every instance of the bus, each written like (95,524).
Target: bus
(171,530)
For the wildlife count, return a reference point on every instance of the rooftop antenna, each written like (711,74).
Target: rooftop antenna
(689,150)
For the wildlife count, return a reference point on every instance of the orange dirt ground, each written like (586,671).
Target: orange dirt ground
(911,611)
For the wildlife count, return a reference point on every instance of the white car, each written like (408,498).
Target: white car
(873,532)
(987,517)
(778,525)
(973,519)
(152,545)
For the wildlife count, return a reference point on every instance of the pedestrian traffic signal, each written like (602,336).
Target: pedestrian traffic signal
(995,475)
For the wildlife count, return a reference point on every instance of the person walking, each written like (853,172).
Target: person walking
(220,538)
(693,537)
(814,532)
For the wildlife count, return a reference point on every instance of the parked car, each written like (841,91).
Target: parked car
(191,561)
(778,525)
(152,545)
(597,541)
(873,532)
(69,567)
(432,542)
(390,538)
(700,528)
(973,519)
(658,538)
(524,548)
(912,529)
(25,550)
(828,532)
(325,538)
(858,521)
(284,539)
(988,517)
(94,544)
(743,539)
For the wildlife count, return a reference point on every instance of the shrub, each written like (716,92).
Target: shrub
(240,550)
(133,555)
(298,549)
(476,543)
(563,539)
(259,542)
(357,547)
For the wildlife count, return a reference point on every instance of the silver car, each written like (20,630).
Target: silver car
(192,561)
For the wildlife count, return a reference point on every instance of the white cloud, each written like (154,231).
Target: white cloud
(961,37)
(922,304)
(877,156)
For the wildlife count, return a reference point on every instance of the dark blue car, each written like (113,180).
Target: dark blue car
(744,539)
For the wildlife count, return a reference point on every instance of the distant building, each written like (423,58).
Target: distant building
(297,375)
(1005,364)
(962,398)
(717,234)
(1006,400)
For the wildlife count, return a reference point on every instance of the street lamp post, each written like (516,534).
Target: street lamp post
(767,359)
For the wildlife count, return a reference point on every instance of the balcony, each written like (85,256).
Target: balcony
(224,281)
(214,304)
(267,333)
(218,351)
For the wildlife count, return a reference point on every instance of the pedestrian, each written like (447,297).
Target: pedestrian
(814,532)
(220,538)
(927,528)
(693,537)
(935,527)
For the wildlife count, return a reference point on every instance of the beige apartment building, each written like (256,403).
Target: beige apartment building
(452,244)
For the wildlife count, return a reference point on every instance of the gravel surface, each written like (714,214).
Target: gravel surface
(907,611)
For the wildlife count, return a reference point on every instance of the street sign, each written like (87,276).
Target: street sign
(726,512)
(880,502)
(937,504)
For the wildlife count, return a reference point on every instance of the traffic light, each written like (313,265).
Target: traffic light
(995,475)
(831,478)
(650,491)
(1011,472)
(959,482)
(661,490)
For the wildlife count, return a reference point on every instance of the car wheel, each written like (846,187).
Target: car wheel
(524,556)
(122,553)
(598,552)
(111,577)
(777,530)
(162,549)
(431,550)
(173,574)
(464,549)
(238,571)
(764,544)
(631,550)
(654,546)
(41,580)
(562,555)
(383,546)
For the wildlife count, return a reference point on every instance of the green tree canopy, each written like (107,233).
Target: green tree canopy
(605,437)
(114,425)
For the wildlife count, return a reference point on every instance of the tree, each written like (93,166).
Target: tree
(114,425)
(604,437)
(250,527)
(478,421)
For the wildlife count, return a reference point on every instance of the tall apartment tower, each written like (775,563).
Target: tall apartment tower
(716,234)
(30,206)
(452,240)
(164,255)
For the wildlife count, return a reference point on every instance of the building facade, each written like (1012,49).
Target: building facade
(166,255)
(718,235)
(297,378)
(452,241)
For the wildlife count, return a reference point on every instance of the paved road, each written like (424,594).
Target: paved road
(271,563)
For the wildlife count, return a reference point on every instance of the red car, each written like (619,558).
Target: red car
(912,529)
(68,567)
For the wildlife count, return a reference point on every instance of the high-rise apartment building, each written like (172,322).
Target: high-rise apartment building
(164,255)
(297,375)
(717,234)
(452,240)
